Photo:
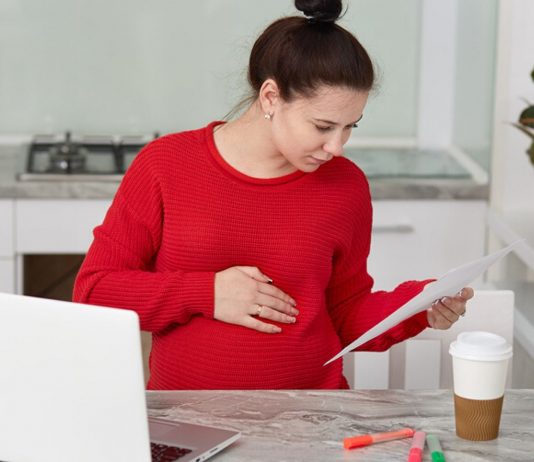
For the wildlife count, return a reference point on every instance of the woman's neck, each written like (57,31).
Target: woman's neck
(246,144)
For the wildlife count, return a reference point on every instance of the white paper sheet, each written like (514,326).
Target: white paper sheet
(447,285)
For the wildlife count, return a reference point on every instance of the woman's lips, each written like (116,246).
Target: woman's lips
(319,161)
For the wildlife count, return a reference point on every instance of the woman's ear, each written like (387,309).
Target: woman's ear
(269,96)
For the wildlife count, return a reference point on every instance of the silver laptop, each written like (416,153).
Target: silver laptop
(71,389)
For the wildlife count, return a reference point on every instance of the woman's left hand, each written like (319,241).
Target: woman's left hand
(446,311)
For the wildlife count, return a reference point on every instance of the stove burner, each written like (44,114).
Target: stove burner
(67,157)
(93,157)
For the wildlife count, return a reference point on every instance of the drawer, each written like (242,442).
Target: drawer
(424,239)
(57,226)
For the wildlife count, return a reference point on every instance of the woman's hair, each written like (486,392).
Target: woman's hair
(303,53)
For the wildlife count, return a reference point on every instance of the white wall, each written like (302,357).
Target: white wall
(512,173)
(475,78)
(115,67)
(391,32)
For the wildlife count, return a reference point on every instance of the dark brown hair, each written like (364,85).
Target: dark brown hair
(302,53)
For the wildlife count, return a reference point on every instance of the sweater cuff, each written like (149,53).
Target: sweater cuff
(415,325)
(421,319)
(418,322)
(197,293)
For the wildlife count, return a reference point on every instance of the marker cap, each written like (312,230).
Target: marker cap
(416,455)
(357,441)
(438,457)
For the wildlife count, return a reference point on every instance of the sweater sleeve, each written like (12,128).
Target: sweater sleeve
(353,307)
(118,269)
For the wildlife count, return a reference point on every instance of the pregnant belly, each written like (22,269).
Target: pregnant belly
(208,354)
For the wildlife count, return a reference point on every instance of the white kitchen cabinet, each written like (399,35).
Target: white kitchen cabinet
(57,226)
(7,275)
(7,247)
(423,239)
(414,240)
(6,228)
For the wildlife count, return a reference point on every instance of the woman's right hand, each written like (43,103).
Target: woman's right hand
(244,296)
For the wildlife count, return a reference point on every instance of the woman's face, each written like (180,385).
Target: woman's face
(309,131)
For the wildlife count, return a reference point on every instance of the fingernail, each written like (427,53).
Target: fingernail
(276,329)
(291,319)
(461,293)
(444,299)
(293,302)
(294,312)
(269,280)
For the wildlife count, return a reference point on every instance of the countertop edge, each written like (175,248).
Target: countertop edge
(381,189)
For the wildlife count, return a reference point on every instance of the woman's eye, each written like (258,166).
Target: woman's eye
(322,129)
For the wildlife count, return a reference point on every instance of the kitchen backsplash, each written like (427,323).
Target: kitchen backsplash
(111,67)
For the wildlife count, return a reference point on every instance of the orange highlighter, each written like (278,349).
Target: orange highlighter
(418,445)
(366,440)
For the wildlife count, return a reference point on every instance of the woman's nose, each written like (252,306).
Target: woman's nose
(334,147)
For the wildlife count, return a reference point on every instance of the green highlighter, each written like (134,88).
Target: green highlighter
(435,448)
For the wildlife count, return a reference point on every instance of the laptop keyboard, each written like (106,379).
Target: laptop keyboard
(164,453)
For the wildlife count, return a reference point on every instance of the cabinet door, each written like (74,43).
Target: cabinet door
(7,275)
(6,228)
(424,239)
(57,226)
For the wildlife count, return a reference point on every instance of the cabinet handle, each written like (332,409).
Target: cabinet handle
(396,228)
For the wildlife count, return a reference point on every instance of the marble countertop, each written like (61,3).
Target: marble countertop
(396,174)
(289,426)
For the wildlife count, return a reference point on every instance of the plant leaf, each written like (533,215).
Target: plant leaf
(530,153)
(527,117)
(525,130)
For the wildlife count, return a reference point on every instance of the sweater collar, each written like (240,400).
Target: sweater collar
(230,170)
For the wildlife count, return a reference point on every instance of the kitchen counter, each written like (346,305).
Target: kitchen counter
(12,160)
(394,174)
(310,425)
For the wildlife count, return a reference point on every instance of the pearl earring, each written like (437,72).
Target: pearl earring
(268,116)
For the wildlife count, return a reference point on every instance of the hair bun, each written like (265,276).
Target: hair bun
(320,10)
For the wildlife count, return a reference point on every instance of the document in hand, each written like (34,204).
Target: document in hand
(447,285)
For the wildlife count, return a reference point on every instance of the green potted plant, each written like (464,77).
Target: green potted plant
(526,125)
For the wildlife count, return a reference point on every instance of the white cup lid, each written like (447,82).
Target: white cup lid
(480,346)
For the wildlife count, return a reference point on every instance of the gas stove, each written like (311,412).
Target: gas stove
(81,158)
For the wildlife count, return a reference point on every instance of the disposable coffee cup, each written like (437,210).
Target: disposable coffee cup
(480,365)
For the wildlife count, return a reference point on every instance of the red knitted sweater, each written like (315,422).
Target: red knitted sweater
(181,214)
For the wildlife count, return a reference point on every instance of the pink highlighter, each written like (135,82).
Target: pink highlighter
(416,450)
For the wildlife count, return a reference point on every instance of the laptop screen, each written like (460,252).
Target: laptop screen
(71,383)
